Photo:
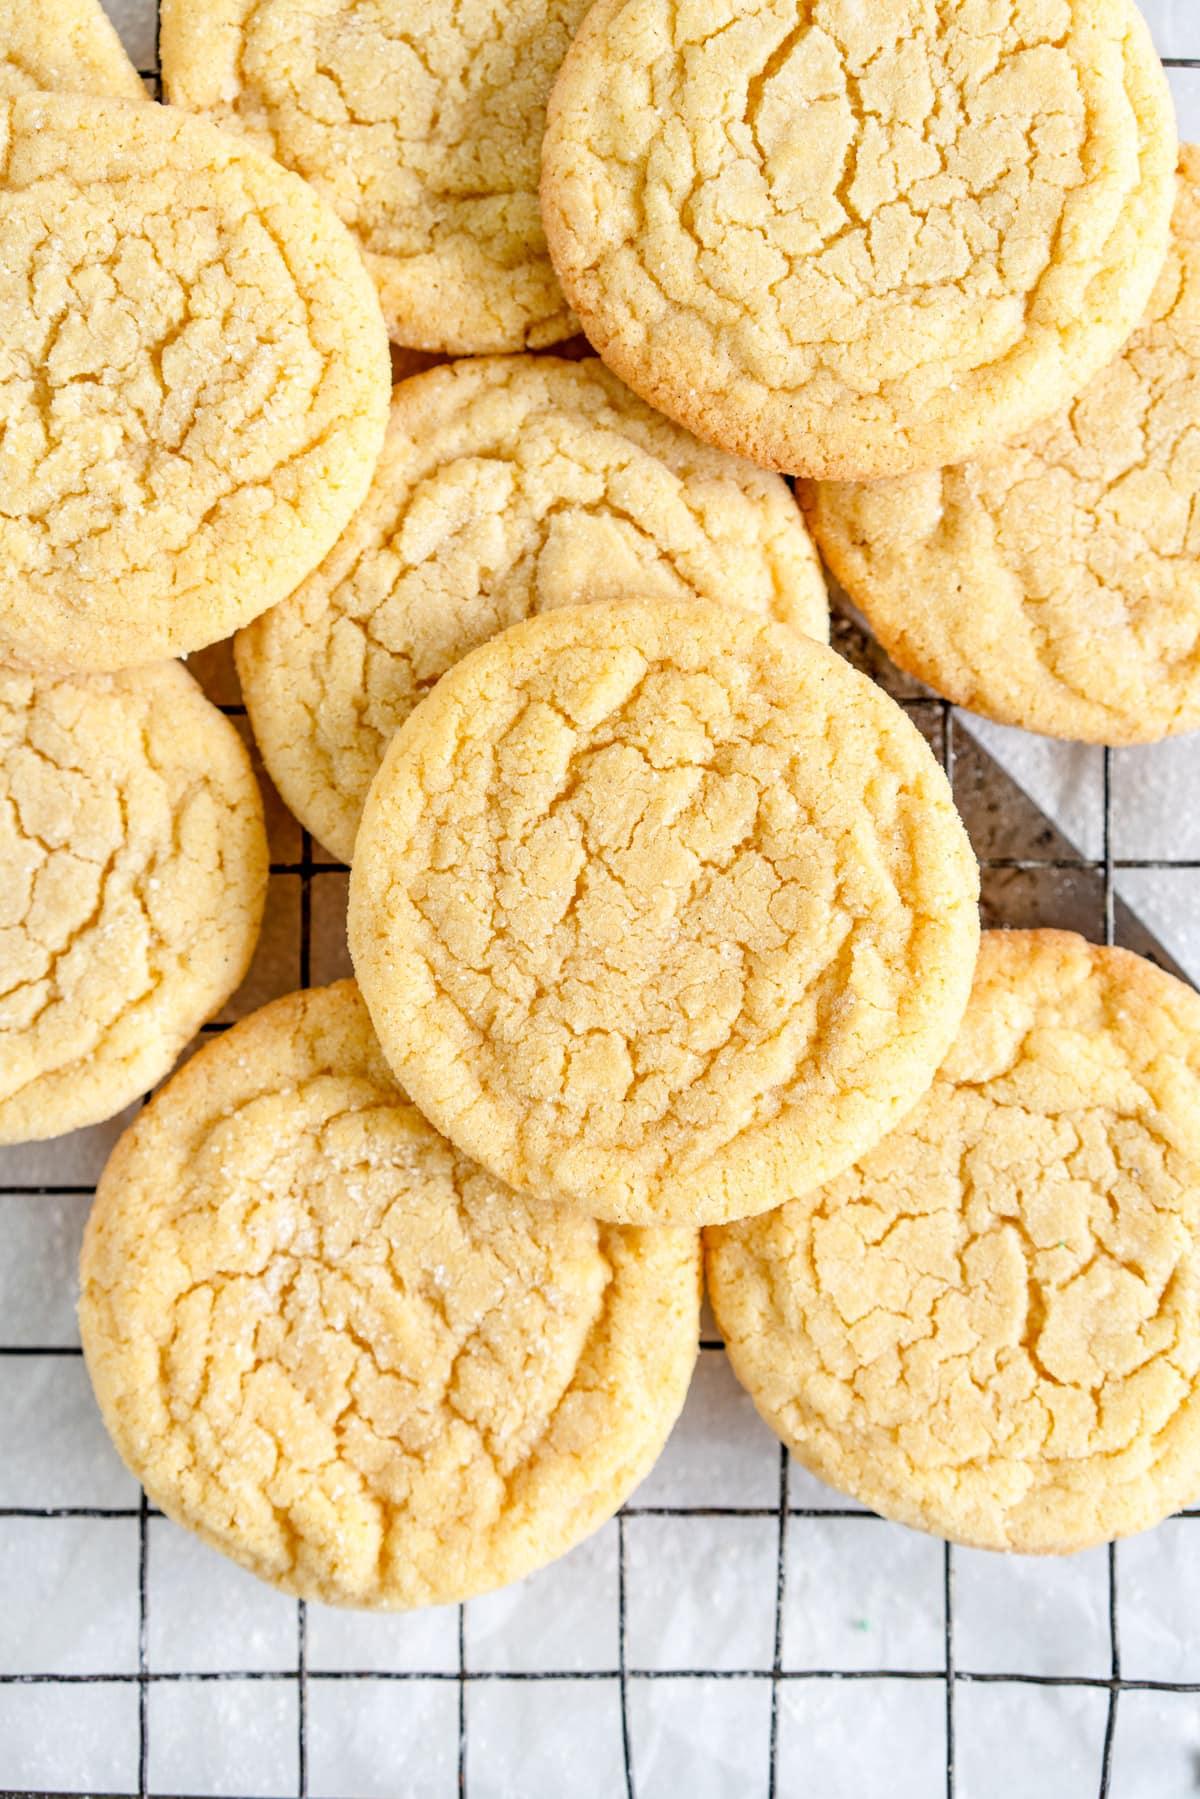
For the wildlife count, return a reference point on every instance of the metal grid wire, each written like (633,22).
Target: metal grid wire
(949,1676)
(938,721)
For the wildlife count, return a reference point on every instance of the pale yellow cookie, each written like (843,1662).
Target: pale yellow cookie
(851,239)
(506,487)
(133,870)
(63,46)
(1055,583)
(988,1328)
(347,1356)
(195,382)
(420,125)
(661,910)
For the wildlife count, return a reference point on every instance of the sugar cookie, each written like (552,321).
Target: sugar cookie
(421,128)
(133,870)
(988,1328)
(346,1355)
(507,486)
(1055,583)
(63,46)
(854,240)
(195,382)
(662,910)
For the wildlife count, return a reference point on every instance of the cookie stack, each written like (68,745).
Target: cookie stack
(194,390)
(663,920)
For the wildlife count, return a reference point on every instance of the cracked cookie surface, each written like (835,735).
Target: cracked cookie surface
(420,126)
(987,1328)
(851,241)
(63,46)
(133,871)
(1055,584)
(346,1355)
(193,383)
(661,910)
(506,487)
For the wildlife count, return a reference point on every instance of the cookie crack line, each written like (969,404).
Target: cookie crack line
(378,1377)
(854,249)
(422,134)
(133,832)
(1083,536)
(984,1329)
(194,403)
(507,487)
(632,908)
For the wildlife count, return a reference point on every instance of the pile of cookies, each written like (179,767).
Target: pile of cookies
(663,921)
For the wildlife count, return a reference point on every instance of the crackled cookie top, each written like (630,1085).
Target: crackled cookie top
(988,1327)
(63,46)
(346,1355)
(855,240)
(193,382)
(133,869)
(506,487)
(420,125)
(662,910)
(1055,584)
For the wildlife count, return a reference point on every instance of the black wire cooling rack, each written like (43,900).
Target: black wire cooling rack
(1045,882)
(939,724)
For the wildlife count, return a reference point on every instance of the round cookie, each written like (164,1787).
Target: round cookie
(420,126)
(506,487)
(134,867)
(851,241)
(661,910)
(988,1328)
(63,46)
(196,382)
(347,1356)
(1055,584)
